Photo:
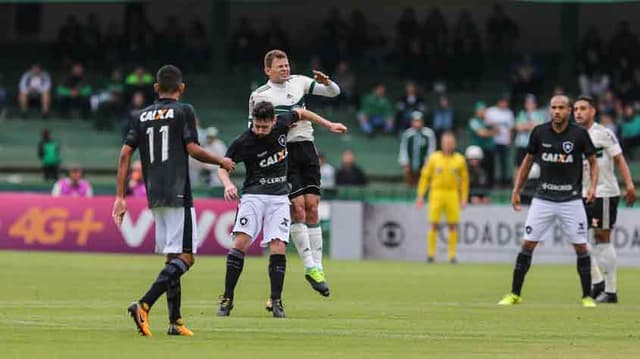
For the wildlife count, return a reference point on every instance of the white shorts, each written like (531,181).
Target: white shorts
(542,215)
(260,210)
(176,230)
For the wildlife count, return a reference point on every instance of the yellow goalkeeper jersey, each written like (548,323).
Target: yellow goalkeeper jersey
(445,173)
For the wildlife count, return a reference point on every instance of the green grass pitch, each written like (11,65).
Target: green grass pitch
(60,305)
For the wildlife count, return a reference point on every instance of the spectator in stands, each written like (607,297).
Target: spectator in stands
(376,112)
(406,105)
(482,136)
(332,39)
(73,186)
(608,120)
(467,55)
(327,173)
(443,120)
(526,76)
(607,103)
(349,173)
(408,43)
(35,89)
(244,43)
(479,183)
(137,103)
(376,52)
(502,32)
(435,45)
(70,42)
(623,78)
(140,80)
(74,92)
(216,146)
(108,102)
(416,145)
(623,43)
(49,155)
(135,185)
(347,80)
(596,84)
(197,173)
(500,116)
(528,118)
(113,45)
(629,129)
(197,48)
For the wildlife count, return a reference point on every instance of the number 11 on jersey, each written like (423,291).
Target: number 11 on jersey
(164,131)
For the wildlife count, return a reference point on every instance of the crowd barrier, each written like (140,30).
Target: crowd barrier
(487,233)
(41,222)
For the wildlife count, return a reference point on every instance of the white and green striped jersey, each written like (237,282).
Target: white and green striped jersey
(607,147)
(290,95)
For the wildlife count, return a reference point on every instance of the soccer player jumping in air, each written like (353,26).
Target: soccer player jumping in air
(287,92)
(264,202)
(558,146)
(165,133)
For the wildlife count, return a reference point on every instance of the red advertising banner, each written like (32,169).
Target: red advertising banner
(41,222)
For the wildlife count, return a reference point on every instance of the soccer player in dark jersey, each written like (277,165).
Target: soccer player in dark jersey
(558,146)
(165,133)
(265,202)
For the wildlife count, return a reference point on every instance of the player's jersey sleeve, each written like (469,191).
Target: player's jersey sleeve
(132,137)
(588,147)
(611,144)
(235,150)
(288,118)
(190,131)
(534,141)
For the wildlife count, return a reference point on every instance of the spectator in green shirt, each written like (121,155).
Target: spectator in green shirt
(49,154)
(74,92)
(140,80)
(482,136)
(629,129)
(376,112)
(528,118)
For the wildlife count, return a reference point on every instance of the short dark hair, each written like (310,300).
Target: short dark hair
(588,99)
(169,78)
(263,111)
(273,54)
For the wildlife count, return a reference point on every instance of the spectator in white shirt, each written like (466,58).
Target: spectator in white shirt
(216,146)
(35,89)
(327,173)
(501,117)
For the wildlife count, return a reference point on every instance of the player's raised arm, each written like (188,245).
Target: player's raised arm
(323,86)
(120,205)
(335,127)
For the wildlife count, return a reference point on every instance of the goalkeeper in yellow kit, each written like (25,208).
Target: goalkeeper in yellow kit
(445,173)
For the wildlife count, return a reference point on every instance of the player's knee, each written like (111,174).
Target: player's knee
(528,247)
(188,259)
(581,249)
(453,227)
(601,236)
(277,246)
(241,242)
(298,212)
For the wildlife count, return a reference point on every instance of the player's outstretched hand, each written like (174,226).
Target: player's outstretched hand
(419,202)
(630,196)
(119,209)
(231,193)
(228,164)
(337,127)
(320,77)
(515,201)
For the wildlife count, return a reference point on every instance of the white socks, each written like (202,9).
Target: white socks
(315,240)
(607,258)
(596,275)
(300,237)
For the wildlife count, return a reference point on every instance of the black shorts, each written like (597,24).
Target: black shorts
(304,168)
(520,153)
(602,213)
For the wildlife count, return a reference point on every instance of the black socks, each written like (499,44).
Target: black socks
(277,268)
(523,262)
(584,270)
(172,271)
(235,263)
(174,299)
